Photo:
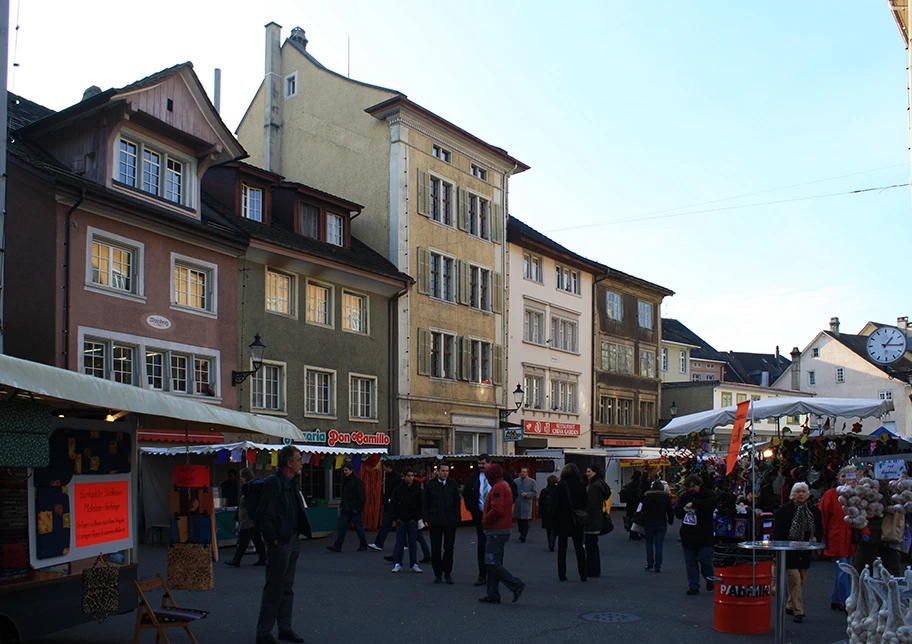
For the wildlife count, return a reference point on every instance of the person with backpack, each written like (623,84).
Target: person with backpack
(251,493)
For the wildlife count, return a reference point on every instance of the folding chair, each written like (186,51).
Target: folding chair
(161,617)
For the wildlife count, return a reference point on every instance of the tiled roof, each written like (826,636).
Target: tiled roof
(674,331)
(22,111)
(516,229)
(749,367)
(858,344)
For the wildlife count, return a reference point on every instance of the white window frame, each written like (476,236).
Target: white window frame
(247,194)
(437,355)
(886,394)
(365,312)
(645,310)
(815,352)
(614,306)
(812,378)
(480,299)
(291,83)
(529,333)
(568,279)
(311,210)
(682,361)
(479,172)
(565,388)
(212,285)
(439,152)
(330,304)
(437,216)
(137,294)
(257,380)
(292,293)
(333,400)
(740,398)
(648,358)
(533,385)
(722,396)
(696,377)
(357,418)
(564,334)
(664,366)
(439,283)
(710,376)
(840,375)
(189,184)
(533,268)
(334,236)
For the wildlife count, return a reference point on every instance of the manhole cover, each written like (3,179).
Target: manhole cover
(611,618)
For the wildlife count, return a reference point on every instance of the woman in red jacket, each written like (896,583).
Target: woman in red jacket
(496,522)
(837,535)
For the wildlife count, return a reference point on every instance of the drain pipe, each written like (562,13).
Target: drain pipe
(393,364)
(596,350)
(66,279)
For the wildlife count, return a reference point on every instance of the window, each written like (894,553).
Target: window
(152,170)
(534,326)
(268,388)
(113,265)
(362,394)
(194,284)
(334,229)
(127,167)
(840,375)
(664,359)
(815,352)
(319,392)
(564,334)
(755,398)
(647,414)
(319,304)
(696,377)
(564,393)
(480,362)
(291,85)
(310,221)
(481,173)
(478,222)
(644,314)
(607,410)
(122,367)
(812,378)
(479,288)
(625,412)
(740,398)
(443,359)
(709,376)
(617,357)
(697,365)
(174,181)
(155,370)
(532,267)
(442,154)
(280,293)
(468,442)
(613,306)
(441,201)
(441,277)
(883,395)
(252,203)
(726,399)
(354,312)
(682,361)
(532,385)
(647,363)
(567,279)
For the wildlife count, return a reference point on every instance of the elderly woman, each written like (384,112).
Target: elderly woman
(837,536)
(797,520)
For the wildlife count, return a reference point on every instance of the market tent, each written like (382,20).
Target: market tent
(69,386)
(775,408)
(245,445)
(883,431)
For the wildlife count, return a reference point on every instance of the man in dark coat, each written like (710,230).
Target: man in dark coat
(351,507)
(391,481)
(695,509)
(441,513)
(407,506)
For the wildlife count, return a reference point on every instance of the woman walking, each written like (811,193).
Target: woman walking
(547,505)
(837,535)
(797,520)
(695,509)
(571,496)
(597,493)
(632,497)
(658,514)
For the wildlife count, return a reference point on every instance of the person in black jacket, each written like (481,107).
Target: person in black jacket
(695,509)
(406,507)
(547,504)
(441,513)
(597,492)
(658,515)
(797,520)
(571,496)
(632,497)
(474,492)
(281,517)
(391,481)
(350,509)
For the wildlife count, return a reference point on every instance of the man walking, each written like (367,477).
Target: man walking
(350,509)
(391,481)
(406,508)
(281,517)
(497,520)
(441,513)
(522,509)
(475,492)
(246,517)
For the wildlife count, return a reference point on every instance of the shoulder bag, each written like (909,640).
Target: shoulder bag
(99,588)
(580,517)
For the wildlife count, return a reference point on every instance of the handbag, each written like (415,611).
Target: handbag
(190,566)
(607,523)
(580,517)
(99,588)
(893,527)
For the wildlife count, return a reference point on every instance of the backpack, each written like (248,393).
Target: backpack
(253,494)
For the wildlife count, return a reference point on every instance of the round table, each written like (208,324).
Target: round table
(781,547)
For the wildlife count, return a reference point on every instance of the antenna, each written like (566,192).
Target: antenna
(349,56)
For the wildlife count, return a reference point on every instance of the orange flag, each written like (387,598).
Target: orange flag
(737,435)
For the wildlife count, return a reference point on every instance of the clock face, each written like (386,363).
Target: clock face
(886,345)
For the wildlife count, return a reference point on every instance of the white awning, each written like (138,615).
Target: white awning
(245,445)
(60,384)
(775,408)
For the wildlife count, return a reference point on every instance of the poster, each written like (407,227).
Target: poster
(101,512)
(191,475)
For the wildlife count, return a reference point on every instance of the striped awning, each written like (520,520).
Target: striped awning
(179,436)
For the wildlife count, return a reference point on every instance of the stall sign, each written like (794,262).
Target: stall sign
(546,428)
(513,434)
(191,475)
(316,436)
(101,512)
(358,438)
(633,462)
(622,442)
(889,469)
(658,462)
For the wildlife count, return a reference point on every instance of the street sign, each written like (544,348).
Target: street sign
(513,434)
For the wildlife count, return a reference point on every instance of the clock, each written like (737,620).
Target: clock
(886,345)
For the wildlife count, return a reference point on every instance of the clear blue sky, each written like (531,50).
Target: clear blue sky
(623,109)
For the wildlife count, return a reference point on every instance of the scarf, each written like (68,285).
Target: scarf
(802,523)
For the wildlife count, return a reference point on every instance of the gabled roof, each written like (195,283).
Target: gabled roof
(749,367)
(22,111)
(632,280)
(524,235)
(674,331)
(303,51)
(858,345)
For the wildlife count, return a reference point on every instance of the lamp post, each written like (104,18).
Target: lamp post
(673,410)
(504,414)
(257,349)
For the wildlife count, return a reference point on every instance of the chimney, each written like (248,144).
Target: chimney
(796,369)
(273,99)
(903,322)
(297,35)
(218,90)
(834,326)
(91,91)
(765,379)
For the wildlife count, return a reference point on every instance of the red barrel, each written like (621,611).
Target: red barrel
(743,598)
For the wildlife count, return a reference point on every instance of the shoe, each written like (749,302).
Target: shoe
(562,579)
(262,562)
(389,558)
(266,639)
(374,546)
(449,579)
(522,539)
(798,618)
(334,548)
(290,636)
(232,563)
(489,600)
(518,592)
(362,548)
(438,580)
(710,585)
(839,607)
(481,581)
(658,569)
(789,611)
(396,568)
(426,560)
(648,566)
(551,548)
(415,568)
(693,591)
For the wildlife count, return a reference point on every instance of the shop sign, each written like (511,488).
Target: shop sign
(316,436)
(622,442)
(546,428)
(513,434)
(473,421)
(158,322)
(102,512)
(191,475)
(658,462)
(633,462)
(358,438)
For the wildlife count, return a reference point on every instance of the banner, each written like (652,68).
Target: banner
(191,475)
(737,435)
(547,428)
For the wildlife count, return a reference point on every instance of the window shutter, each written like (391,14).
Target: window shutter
(463,288)
(424,352)
(496,224)
(424,271)
(555,333)
(463,209)
(497,292)
(498,364)
(464,355)
(424,188)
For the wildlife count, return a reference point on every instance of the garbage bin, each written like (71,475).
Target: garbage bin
(743,590)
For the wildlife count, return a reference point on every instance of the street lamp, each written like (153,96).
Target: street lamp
(673,410)
(518,395)
(257,349)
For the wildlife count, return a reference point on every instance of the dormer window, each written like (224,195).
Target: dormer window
(252,203)
(154,170)
(321,224)
(310,221)
(334,229)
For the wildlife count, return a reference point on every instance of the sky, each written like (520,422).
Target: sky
(712,148)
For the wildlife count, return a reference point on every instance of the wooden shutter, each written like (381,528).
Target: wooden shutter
(424,189)
(424,352)
(463,209)
(463,286)
(464,358)
(497,292)
(424,271)
(496,224)
(498,352)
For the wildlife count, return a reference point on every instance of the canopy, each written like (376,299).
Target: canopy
(245,445)
(776,407)
(51,382)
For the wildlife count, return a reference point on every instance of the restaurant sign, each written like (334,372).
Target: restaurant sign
(358,438)
(546,428)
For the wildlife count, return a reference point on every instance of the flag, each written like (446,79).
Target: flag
(737,435)
(222,456)
(356,461)
(340,458)
(315,459)
(274,458)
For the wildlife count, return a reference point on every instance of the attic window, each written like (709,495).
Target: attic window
(170,105)
(291,85)
(443,155)
(815,352)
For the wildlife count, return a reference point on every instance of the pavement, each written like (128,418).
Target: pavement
(351,597)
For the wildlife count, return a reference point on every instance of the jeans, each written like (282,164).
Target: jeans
(406,530)
(444,535)
(386,526)
(423,544)
(347,517)
(655,544)
(593,556)
(496,573)
(245,536)
(278,593)
(698,561)
(577,536)
(842,584)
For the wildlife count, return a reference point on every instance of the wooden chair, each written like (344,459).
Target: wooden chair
(163,616)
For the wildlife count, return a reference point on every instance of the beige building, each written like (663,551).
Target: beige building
(435,199)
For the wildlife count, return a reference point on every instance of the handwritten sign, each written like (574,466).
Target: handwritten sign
(191,475)
(102,512)
(889,469)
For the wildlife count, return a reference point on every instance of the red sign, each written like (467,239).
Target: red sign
(358,438)
(102,512)
(737,435)
(622,442)
(191,475)
(543,428)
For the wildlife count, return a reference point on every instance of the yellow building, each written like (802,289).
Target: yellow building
(435,199)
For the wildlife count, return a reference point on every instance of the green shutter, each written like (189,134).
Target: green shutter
(424,271)
(463,209)
(464,357)
(496,224)
(424,352)
(424,188)
(497,293)
(463,287)
(498,351)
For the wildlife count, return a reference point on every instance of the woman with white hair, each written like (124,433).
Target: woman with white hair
(797,520)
